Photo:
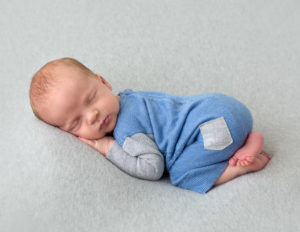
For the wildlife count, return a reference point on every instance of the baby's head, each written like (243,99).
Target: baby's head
(66,94)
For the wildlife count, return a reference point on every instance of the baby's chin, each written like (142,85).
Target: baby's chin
(95,137)
(90,137)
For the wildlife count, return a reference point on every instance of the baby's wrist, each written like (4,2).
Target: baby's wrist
(109,144)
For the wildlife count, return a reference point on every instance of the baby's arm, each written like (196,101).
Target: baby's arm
(139,156)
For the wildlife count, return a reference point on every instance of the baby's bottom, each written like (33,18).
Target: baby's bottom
(248,158)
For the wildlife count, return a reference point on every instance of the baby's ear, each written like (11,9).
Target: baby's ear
(104,81)
(100,77)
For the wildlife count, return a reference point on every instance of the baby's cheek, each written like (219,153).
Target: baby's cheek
(76,134)
(88,134)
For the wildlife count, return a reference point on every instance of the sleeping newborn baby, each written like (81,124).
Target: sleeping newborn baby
(202,141)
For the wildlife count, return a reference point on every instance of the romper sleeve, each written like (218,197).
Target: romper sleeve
(139,157)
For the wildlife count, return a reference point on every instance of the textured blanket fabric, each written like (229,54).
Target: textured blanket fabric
(50,181)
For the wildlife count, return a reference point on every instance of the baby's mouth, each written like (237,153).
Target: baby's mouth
(104,122)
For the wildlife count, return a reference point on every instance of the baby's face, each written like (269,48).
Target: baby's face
(82,105)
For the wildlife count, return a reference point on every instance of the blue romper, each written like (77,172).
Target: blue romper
(196,135)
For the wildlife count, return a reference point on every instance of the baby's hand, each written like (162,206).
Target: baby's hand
(101,145)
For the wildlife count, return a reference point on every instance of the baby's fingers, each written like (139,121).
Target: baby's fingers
(92,143)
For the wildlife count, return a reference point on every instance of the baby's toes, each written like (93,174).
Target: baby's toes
(265,155)
(233,160)
(243,163)
(250,159)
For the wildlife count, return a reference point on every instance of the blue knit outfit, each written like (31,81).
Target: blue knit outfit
(196,135)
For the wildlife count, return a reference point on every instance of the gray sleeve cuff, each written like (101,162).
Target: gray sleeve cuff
(149,166)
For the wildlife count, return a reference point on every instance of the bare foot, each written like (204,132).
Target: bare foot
(247,154)
(258,163)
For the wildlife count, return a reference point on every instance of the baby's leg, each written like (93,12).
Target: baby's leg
(258,163)
(246,154)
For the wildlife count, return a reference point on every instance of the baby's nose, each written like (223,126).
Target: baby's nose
(93,116)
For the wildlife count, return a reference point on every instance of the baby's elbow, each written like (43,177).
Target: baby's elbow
(158,170)
(150,168)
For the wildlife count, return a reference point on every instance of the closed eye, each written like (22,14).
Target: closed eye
(90,99)
(75,124)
